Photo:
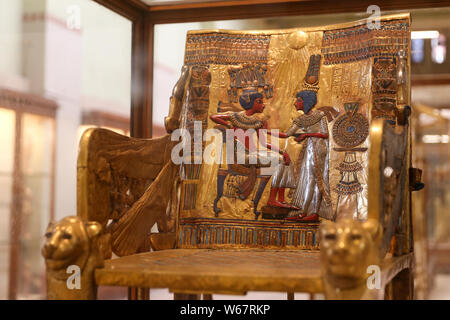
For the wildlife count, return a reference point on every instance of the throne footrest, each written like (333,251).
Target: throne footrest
(269,212)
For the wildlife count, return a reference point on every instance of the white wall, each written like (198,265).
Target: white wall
(63,60)
(81,68)
(10,36)
(106,54)
(11,44)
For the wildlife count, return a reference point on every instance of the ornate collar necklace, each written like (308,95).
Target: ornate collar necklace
(243,121)
(307,120)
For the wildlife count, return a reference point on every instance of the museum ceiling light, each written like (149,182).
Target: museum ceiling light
(435,138)
(428,34)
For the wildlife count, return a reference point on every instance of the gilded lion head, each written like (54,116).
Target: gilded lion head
(69,242)
(347,248)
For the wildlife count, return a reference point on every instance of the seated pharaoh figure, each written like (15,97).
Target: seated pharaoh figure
(283,176)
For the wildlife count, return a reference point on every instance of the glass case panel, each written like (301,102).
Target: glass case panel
(7,140)
(37,163)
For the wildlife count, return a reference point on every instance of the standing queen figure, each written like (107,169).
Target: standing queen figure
(312,194)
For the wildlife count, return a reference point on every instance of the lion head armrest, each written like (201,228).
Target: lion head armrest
(72,252)
(349,249)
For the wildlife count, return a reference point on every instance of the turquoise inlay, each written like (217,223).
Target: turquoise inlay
(252,234)
(213,235)
(219,236)
(226,235)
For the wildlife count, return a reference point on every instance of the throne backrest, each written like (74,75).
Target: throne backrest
(359,74)
(360,77)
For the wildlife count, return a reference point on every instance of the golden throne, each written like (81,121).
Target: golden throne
(126,185)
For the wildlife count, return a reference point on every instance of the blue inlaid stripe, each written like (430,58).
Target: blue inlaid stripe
(192,235)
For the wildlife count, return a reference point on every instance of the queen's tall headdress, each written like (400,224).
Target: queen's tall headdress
(311,81)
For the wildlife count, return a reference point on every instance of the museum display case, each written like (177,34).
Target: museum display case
(349,82)
(28,124)
(210,149)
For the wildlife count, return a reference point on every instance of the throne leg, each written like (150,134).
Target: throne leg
(403,285)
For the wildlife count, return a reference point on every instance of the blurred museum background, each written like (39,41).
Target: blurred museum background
(65,65)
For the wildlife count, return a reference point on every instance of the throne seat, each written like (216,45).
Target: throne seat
(228,271)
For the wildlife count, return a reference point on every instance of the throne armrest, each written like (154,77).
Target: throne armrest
(113,172)
(386,235)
